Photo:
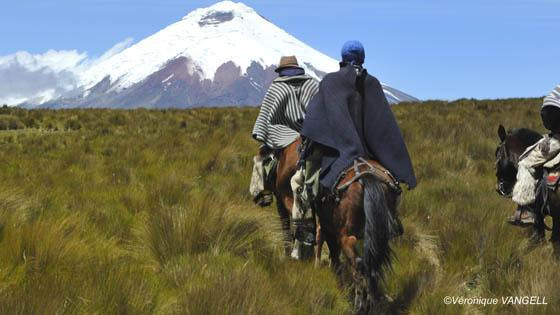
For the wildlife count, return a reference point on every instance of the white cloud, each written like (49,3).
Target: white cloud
(38,78)
(55,60)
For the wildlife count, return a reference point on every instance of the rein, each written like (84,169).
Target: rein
(502,153)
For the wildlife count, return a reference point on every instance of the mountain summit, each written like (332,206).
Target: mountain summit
(217,56)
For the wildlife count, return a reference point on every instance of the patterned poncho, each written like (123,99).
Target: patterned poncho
(283,109)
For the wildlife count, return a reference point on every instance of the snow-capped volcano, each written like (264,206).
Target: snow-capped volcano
(221,55)
(213,36)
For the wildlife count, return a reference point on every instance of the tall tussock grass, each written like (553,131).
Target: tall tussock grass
(143,212)
(147,212)
(171,232)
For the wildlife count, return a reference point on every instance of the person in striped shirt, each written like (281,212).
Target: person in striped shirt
(280,120)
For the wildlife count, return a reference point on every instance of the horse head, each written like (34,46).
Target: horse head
(506,166)
(511,147)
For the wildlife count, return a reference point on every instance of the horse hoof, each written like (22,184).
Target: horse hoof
(361,266)
(536,239)
(387,298)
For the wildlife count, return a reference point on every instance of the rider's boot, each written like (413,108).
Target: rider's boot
(302,218)
(261,195)
(296,182)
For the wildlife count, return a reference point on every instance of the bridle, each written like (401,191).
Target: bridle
(503,154)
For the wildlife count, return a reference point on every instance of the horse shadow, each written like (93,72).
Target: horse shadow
(409,291)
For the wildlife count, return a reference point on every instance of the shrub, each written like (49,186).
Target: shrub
(9,122)
(30,122)
(118,119)
(4,109)
(72,124)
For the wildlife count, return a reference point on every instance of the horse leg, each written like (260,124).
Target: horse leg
(348,243)
(285,220)
(359,276)
(555,236)
(538,228)
(334,251)
(287,160)
(320,240)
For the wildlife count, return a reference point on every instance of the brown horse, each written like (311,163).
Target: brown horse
(364,208)
(286,168)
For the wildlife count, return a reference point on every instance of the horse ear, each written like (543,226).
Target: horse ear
(502,133)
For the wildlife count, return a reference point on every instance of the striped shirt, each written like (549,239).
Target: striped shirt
(553,99)
(283,109)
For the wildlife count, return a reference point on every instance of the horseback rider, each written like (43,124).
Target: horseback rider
(349,118)
(534,157)
(279,120)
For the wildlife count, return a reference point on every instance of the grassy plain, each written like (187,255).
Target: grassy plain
(147,212)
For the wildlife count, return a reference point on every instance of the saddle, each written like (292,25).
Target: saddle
(362,167)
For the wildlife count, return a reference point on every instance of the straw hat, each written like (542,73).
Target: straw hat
(287,62)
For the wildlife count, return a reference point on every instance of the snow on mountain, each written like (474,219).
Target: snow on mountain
(213,36)
(221,55)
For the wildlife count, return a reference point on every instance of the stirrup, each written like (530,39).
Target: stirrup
(263,199)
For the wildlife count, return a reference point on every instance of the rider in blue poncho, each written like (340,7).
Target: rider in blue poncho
(349,118)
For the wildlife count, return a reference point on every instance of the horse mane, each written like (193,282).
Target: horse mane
(526,136)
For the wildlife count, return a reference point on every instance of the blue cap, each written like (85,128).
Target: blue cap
(353,51)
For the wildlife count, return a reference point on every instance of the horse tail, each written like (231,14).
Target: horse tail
(380,227)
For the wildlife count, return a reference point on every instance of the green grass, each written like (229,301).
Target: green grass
(147,212)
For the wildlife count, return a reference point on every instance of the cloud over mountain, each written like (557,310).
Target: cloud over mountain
(37,78)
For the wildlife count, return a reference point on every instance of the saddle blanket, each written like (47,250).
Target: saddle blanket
(552,179)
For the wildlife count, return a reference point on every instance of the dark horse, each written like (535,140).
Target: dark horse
(512,145)
(365,209)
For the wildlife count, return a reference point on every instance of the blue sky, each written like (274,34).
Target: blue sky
(429,49)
